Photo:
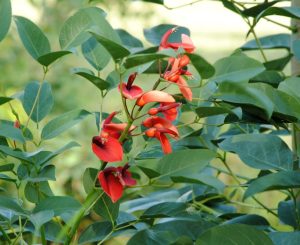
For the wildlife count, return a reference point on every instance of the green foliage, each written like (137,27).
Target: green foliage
(5,17)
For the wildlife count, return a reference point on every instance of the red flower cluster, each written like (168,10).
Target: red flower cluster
(108,145)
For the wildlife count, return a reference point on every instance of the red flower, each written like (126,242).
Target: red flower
(175,75)
(186,42)
(130,91)
(169,110)
(154,96)
(17,124)
(107,148)
(158,127)
(113,180)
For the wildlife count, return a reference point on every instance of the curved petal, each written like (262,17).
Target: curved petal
(165,143)
(154,96)
(109,118)
(133,93)
(128,180)
(107,149)
(159,122)
(111,186)
(184,89)
(164,40)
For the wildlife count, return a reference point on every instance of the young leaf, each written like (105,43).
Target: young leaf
(74,31)
(116,50)
(97,81)
(49,58)
(228,235)
(261,151)
(95,53)
(277,181)
(62,123)
(38,108)
(5,17)
(33,39)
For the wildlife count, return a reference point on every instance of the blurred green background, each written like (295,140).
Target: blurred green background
(215,30)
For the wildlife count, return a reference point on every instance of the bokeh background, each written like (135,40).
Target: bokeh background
(215,30)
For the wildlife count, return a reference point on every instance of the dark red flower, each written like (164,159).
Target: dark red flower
(113,180)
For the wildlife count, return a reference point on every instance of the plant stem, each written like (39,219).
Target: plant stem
(6,237)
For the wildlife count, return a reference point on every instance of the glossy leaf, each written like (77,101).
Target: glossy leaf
(236,68)
(270,42)
(95,232)
(106,209)
(154,34)
(95,53)
(116,50)
(288,213)
(62,123)
(286,238)
(5,17)
(33,39)
(97,81)
(228,235)
(38,108)
(49,58)
(275,181)
(261,151)
(205,69)
(4,100)
(166,209)
(74,31)
(62,206)
(176,164)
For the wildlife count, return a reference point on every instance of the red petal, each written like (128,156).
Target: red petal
(164,40)
(109,150)
(133,93)
(129,181)
(184,89)
(165,143)
(111,185)
(159,122)
(154,96)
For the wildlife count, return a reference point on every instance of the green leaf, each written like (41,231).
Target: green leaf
(251,94)
(286,238)
(40,218)
(140,59)
(207,111)
(49,58)
(292,12)
(105,208)
(34,194)
(228,235)
(95,232)
(154,1)
(62,123)
(10,207)
(257,9)
(33,39)
(74,30)
(89,177)
(44,102)
(95,54)
(183,162)
(287,213)
(5,17)
(4,100)
(150,237)
(205,69)
(261,151)
(5,177)
(9,131)
(291,87)
(296,49)
(154,34)
(17,154)
(278,64)
(116,50)
(63,206)
(276,181)
(269,77)
(249,219)
(129,40)
(165,209)
(7,167)
(97,81)
(236,68)
(47,173)
(269,42)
